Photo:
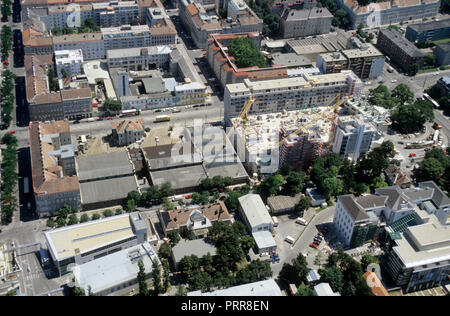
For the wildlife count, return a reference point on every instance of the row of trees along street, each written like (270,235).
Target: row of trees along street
(7,96)
(9,178)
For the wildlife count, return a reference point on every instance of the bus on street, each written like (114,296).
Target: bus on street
(162,118)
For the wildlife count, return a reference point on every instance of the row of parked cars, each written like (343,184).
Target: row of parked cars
(318,238)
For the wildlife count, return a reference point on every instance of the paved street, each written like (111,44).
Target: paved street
(288,252)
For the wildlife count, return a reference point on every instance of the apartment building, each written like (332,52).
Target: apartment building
(365,61)
(287,94)
(55,183)
(46,105)
(307,22)
(163,33)
(226,70)
(428,31)
(201,24)
(139,58)
(278,6)
(127,132)
(330,63)
(126,36)
(76,103)
(442,52)
(400,50)
(69,60)
(35,43)
(356,220)
(91,44)
(388,12)
(353,137)
(190,93)
(64,15)
(115,13)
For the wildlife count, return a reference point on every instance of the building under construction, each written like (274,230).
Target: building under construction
(266,142)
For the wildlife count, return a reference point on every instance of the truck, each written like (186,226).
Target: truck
(301,221)
(130,112)
(275,221)
(162,118)
(26,185)
(289,239)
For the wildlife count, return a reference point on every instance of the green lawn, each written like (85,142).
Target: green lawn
(442,41)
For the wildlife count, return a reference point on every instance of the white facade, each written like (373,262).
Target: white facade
(353,137)
(139,58)
(289,93)
(69,60)
(126,36)
(255,213)
(91,44)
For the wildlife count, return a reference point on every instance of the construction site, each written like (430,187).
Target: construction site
(288,137)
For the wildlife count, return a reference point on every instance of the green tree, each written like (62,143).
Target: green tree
(6,8)
(131,206)
(165,251)
(118,212)
(84,218)
(294,183)
(295,272)
(429,169)
(73,219)
(166,274)
(95,216)
(181,290)
(304,290)
(173,236)
(246,53)
(403,94)
(366,260)
(107,213)
(255,271)
(50,223)
(156,273)
(271,185)
(112,105)
(332,276)
(61,221)
(304,203)
(142,279)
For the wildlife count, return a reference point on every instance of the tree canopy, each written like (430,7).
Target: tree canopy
(246,53)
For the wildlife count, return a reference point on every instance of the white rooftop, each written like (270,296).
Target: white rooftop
(255,210)
(261,288)
(114,269)
(324,289)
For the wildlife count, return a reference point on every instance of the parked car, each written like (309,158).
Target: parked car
(412,155)
(314,245)
(12,132)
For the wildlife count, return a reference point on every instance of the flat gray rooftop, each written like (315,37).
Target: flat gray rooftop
(106,165)
(107,190)
(198,247)
(180,178)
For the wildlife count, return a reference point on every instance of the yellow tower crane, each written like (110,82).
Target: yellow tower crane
(337,100)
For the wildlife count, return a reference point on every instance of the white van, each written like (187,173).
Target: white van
(289,239)
(275,221)
(301,221)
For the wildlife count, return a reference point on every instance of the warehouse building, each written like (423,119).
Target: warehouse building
(109,274)
(77,244)
(105,179)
